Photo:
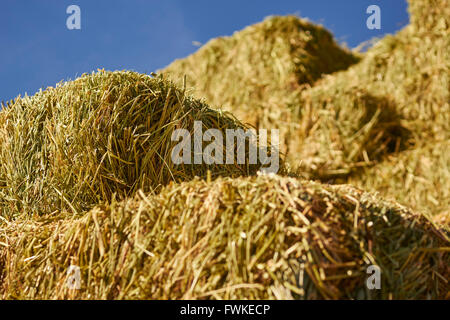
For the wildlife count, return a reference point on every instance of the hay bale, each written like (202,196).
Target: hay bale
(70,147)
(256,73)
(263,237)
(342,129)
(396,96)
(260,73)
(406,78)
(418,178)
(411,70)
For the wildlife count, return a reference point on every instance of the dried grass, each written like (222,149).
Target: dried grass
(395,99)
(383,124)
(405,77)
(257,72)
(418,178)
(261,237)
(109,133)
(411,70)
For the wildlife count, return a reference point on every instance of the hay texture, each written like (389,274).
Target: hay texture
(408,77)
(260,75)
(91,158)
(263,237)
(390,98)
(392,104)
(257,72)
(418,178)
(108,133)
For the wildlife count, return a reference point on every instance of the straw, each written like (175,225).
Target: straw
(263,237)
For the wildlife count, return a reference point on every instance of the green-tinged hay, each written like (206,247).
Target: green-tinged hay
(406,78)
(255,72)
(262,237)
(73,146)
(260,73)
(342,129)
(411,70)
(418,178)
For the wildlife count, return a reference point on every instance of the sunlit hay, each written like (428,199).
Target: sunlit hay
(256,72)
(262,237)
(443,219)
(396,96)
(260,73)
(73,146)
(412,70)
(418,178)
(407,80)
(430,15)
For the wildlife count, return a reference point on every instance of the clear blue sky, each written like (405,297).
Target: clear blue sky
(37,50)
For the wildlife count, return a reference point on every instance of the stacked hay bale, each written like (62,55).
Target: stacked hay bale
(260,74)
(110,133)
(107,135)
(406,76)
(343,129)
(411,70)
(418,178)
(396,98)
(262,237)
(257,72)
(423,83)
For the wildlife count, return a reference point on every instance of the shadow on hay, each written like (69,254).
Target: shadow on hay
(351,130)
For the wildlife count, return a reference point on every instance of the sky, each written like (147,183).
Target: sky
(37,49)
